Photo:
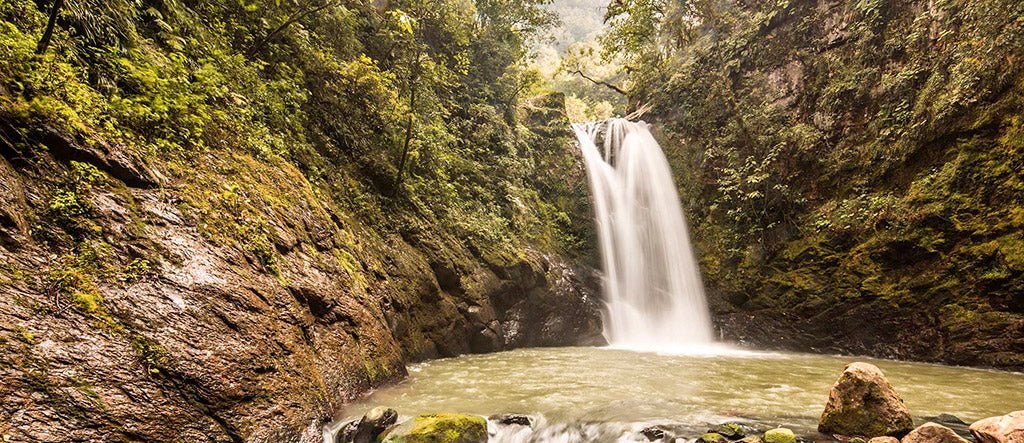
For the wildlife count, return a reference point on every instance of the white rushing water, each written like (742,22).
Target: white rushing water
(652,286)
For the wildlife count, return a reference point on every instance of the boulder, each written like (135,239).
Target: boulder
(862,402)
(885,439)
(932,433)
(440,428)
(779,435)
(1008,428)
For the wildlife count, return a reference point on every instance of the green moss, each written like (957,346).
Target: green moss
(154,356)
(711,437)
(731,430)
(26,337)
(78,286)
(135,271)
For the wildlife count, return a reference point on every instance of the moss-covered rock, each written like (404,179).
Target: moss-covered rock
(712,437)
(731,431)
(779,435)
(440,428)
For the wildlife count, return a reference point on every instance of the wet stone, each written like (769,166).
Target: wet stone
(513,419)
(653,433)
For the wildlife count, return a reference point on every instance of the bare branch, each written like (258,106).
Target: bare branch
(580,73)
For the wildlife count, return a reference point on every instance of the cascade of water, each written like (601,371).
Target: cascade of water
(652,286)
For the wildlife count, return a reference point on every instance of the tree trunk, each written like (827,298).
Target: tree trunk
(408,137)
(44,42)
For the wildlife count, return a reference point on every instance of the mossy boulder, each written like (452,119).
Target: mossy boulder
(440,428)
(863,403)
(712,437)
(779,435)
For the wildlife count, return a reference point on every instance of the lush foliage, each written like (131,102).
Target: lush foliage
(404,107)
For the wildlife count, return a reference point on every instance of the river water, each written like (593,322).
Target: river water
(604,394)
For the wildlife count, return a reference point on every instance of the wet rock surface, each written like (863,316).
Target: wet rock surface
(368,428)
(140,321)
(863,403)
(513,419)
(653,433)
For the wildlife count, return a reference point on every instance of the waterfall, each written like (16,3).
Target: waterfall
(653,290)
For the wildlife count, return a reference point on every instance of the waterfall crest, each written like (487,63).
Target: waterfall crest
(654,294)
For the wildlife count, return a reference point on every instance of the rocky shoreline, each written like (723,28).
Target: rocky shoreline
(862,407)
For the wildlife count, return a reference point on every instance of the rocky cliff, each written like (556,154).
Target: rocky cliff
(150,328)
(852,171)
(209,236)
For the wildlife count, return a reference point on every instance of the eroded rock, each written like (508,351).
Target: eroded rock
(862,402)
(1008,428)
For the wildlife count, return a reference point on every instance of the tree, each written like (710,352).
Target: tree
(51,23)
(308,8)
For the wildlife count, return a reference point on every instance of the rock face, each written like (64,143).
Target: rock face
(932,433)
(235,302)
(849,264)
(863,403)
(440,428)
(1008,428)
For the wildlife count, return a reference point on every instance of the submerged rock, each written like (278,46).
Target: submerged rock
(933,433)
(1008,428)
(513,419)
(437,428)
(862,402)
(779,435)
(948,419)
